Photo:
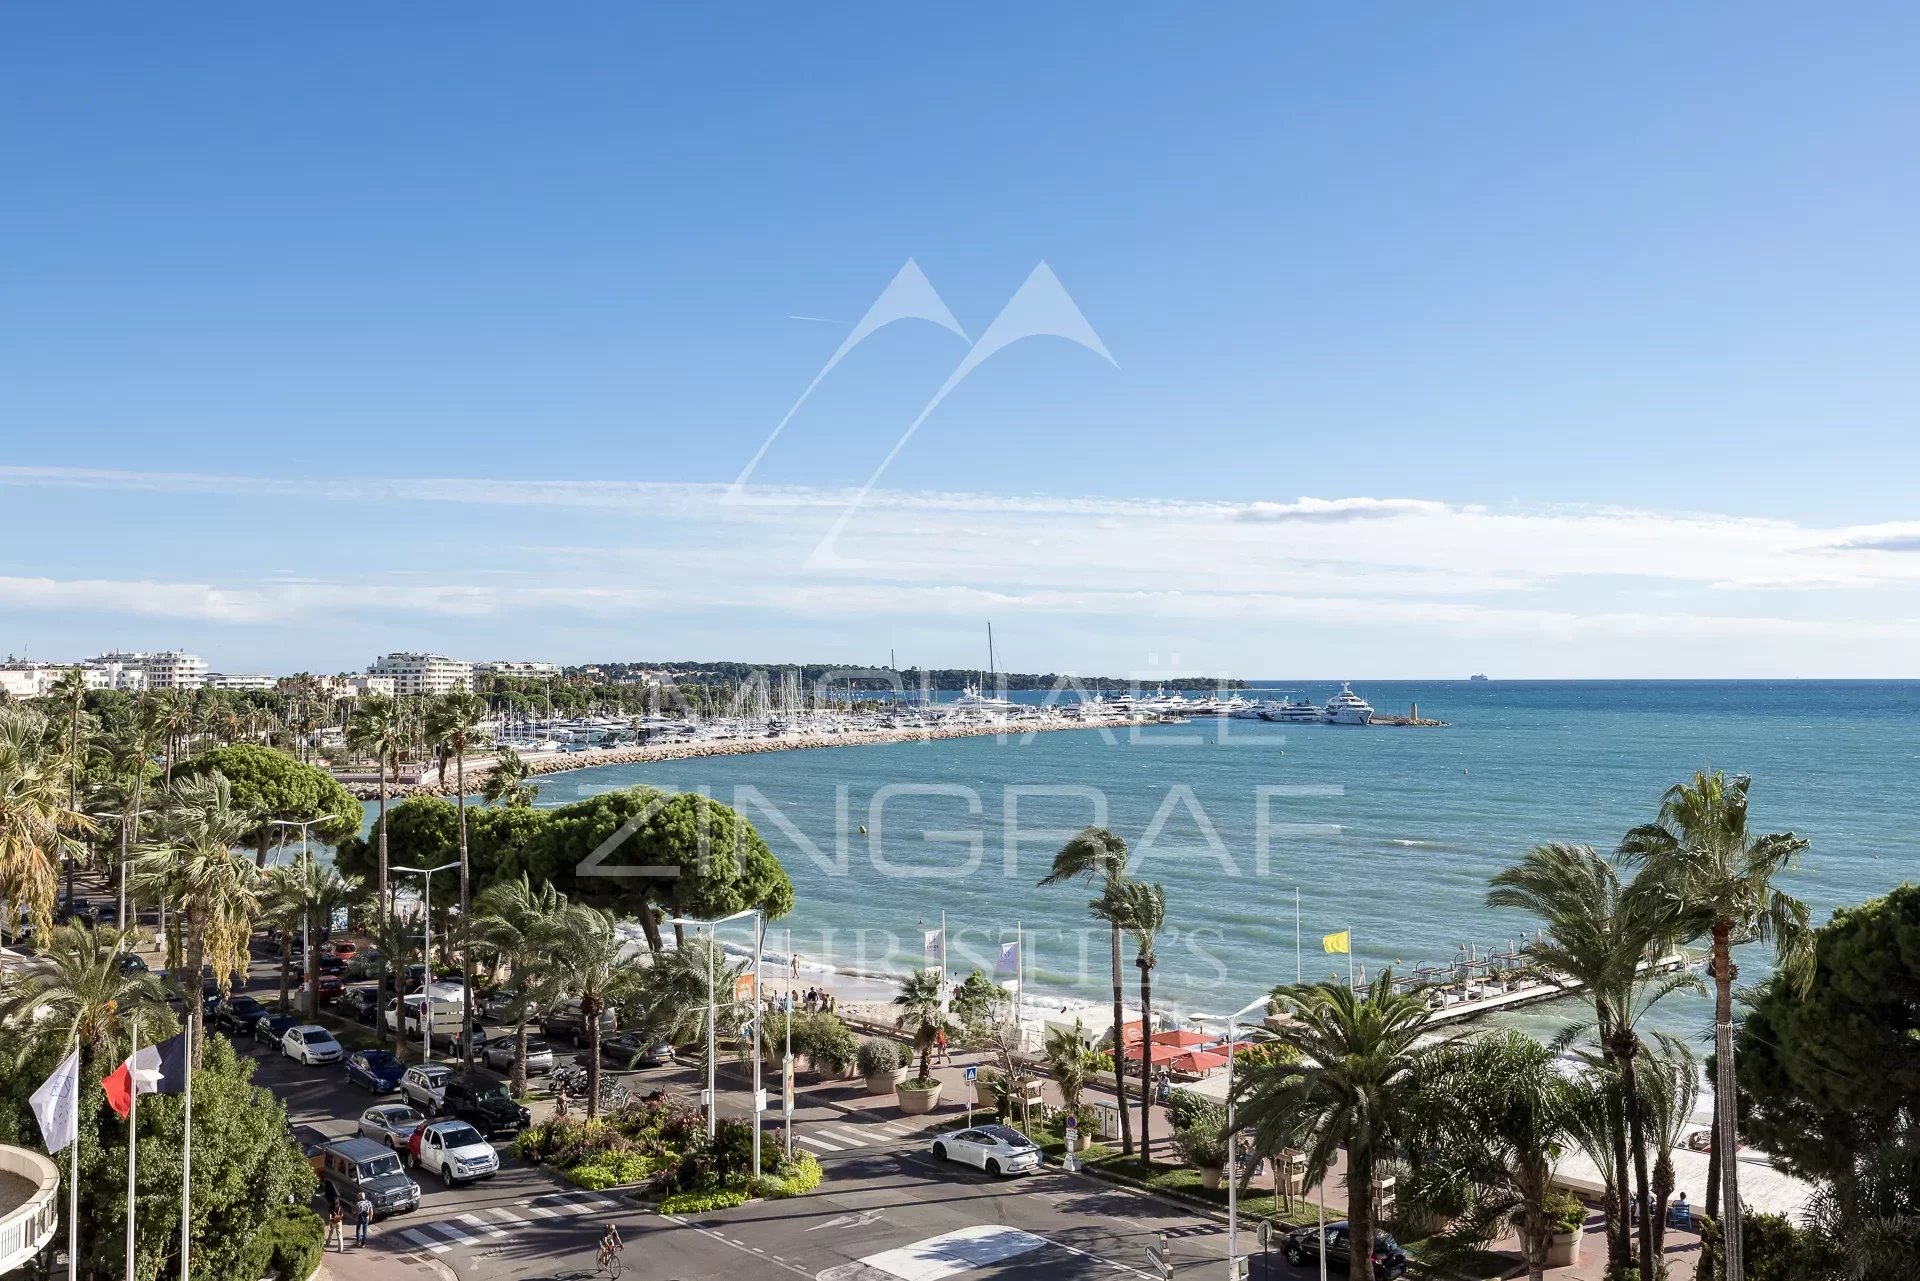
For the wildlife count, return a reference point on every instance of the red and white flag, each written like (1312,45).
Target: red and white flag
(152,1069)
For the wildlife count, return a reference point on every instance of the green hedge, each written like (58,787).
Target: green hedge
(612,1169)
(702,1202)
(289,1246)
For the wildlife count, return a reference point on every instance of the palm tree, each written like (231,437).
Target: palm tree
(917,1012)
(1353,1086)
(1599,933)
(216,892)
(37,817)
(507,781)
(323,890)
(1719,878)
(1098,855)
(1071,1060)
(515,923)
(1140,910)
(76,987)
(129,752)
(589,963)
(1670,1086)
(670,1001)
(454,720)
(379,727)
(283,905)
(71,690)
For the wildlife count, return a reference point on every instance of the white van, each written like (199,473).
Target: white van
(444,1003)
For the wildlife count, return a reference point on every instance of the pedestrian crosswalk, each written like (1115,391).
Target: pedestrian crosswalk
(847,1137)
(480,1227)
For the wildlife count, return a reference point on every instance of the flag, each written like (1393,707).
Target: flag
(1008,966)
(1341,942)
(54,1104)
(933,949)
(153,1069)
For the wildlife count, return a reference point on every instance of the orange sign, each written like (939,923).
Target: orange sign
(743,988)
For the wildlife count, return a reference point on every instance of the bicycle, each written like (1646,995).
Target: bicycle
(610,1262)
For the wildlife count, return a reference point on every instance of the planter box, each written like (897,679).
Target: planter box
(1564,1249)
(886,1082)
(916,1100)
(1211,1176)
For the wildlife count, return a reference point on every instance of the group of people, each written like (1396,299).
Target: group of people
(337,1210)
(818,999)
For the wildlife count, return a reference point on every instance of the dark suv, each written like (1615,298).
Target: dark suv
(565,1023)
(484,1104)
(353,1166)
(1389,1260)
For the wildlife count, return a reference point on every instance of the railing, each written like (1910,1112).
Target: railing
(28,1226)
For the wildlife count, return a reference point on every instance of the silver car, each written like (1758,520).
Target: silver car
(539,1055)
(391,1123)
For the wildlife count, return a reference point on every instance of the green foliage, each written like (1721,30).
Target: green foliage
(1776,1250)
(272,784)
(976,999)
(1204,1146)
(615,1169)
(290,1246)
(879,1055)
(1185,1108)
(1834,1072)
(826,1042)
(794,1176)
(1566,1212)
(703,1202)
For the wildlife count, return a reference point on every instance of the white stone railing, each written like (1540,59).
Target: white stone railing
(27,1227)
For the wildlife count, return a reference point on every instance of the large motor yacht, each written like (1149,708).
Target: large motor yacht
(1347,708)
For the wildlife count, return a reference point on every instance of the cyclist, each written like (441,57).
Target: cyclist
(610,1247)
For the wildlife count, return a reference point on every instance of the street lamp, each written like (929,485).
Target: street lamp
(426,958)
(713,1014)
(1229,1022)
(306,910)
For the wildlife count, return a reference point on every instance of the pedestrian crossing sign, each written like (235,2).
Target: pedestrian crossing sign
(972,1074)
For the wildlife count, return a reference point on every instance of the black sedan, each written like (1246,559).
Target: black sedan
(635,1050)
(272,1030)
(238,1013)
(1389,1260)
(359,1004)
(375,1070)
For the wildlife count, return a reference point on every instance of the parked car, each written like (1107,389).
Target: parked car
(329,986)
(131,964)
(1389,1260)
(499,1054)
(635,1050)
(391,1123)
(310,1043)
(272,1030)
(238,1013)
(997,1149)
(424,1085)
(456,1045)
(359,1004)
(343,949)
(455,1150)
(330,965)
(352,1167)
(375,1070)
(566,1023)
(483,1103)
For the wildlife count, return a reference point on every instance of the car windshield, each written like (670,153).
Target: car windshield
(404,1116)
(460,1136)
(245,1004)
(379,1059)
(379,1167)
(491,1093)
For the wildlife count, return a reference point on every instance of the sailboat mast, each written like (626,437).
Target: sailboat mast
(990,667)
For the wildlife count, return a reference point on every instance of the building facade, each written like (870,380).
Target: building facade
(423,673)
(238,680)
(508,667)
(160,669)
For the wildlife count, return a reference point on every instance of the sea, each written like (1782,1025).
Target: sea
(1268,838)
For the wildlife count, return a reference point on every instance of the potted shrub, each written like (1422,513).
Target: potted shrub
(829,1046)
(921,1016)
(1204,1147)
(986,1088)
(1569,1225)
(883,1063)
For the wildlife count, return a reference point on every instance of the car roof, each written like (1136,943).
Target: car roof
(359,1149)
(1003,1132)
(307,1029)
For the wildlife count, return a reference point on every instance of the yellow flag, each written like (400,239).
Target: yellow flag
(1336,942)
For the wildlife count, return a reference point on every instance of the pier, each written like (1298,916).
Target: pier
(1476,986)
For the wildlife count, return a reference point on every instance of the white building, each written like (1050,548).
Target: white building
(507,667)
(163,669)
(238,680)
(114,674)
(22,680)
(423,673)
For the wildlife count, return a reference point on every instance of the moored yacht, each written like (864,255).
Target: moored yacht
(1347,708)
(1288,712)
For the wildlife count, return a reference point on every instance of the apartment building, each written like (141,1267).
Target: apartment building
(423,673)
(238,680)
(507,667)
(160,669)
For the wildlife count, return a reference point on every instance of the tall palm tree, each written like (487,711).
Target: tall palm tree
(38,818)
(1139,909)
(216,892)
(283,906)
(918,1012)
(1599,931)
(1670,1086)
(507,781)
(589,963)
(71,692)
(128,752)
(75,987)
(323,890)
(515,922)
(1720,879)
(1353,1086)
(379,728)
(1098,855)
(454,720)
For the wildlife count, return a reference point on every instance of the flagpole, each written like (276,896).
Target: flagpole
(943,960)
(186,1153)
(1298,971)
(1019,983)
(73,1179)
(133,1104)
(1350,958)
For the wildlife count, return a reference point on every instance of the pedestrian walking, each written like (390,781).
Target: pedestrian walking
(940,1046)
(336,1234)
(362,1219)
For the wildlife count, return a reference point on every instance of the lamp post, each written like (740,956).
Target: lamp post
(306,911)
(713,1014)
(1229,1022)
(426,957)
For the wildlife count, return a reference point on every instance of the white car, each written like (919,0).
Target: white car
(499,1054)
(425,1086)
(456,1150)
(997,1149)
(311,1043)
(391,1123)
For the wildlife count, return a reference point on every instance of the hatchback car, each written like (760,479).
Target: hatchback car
(359,1004)
(375,1070)
(343,949)
(1303,1246)
(483,1103)
(272,1030)
(454,1150)
(635,1050)
(499,1055)
(238,1014)
(352,1167)
(392,1124)
(424,1085)
(997,1149)
(310,1043)
(328,986)
(566,1023)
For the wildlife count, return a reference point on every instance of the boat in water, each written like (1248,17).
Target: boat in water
(1287,712)
(1347,708)
(1478,676)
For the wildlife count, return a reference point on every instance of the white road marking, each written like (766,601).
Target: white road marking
(953,1252)
(424,1241)
(505,1215)
(586,1201)
(822,1144)
(709,1232)
(544,1211)
(456,1235)
(842,1136)
(481,1224)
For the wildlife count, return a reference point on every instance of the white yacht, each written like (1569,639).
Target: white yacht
(1347,708)
(1288,712)
(972,700)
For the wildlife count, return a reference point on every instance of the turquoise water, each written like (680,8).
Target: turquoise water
(1391,832)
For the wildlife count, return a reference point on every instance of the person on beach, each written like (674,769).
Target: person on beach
(362,1218)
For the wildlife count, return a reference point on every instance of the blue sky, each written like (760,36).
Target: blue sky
(1554,341)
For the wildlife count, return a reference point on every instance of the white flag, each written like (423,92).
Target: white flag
(56,1104)
(933,946)
(1008,964)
